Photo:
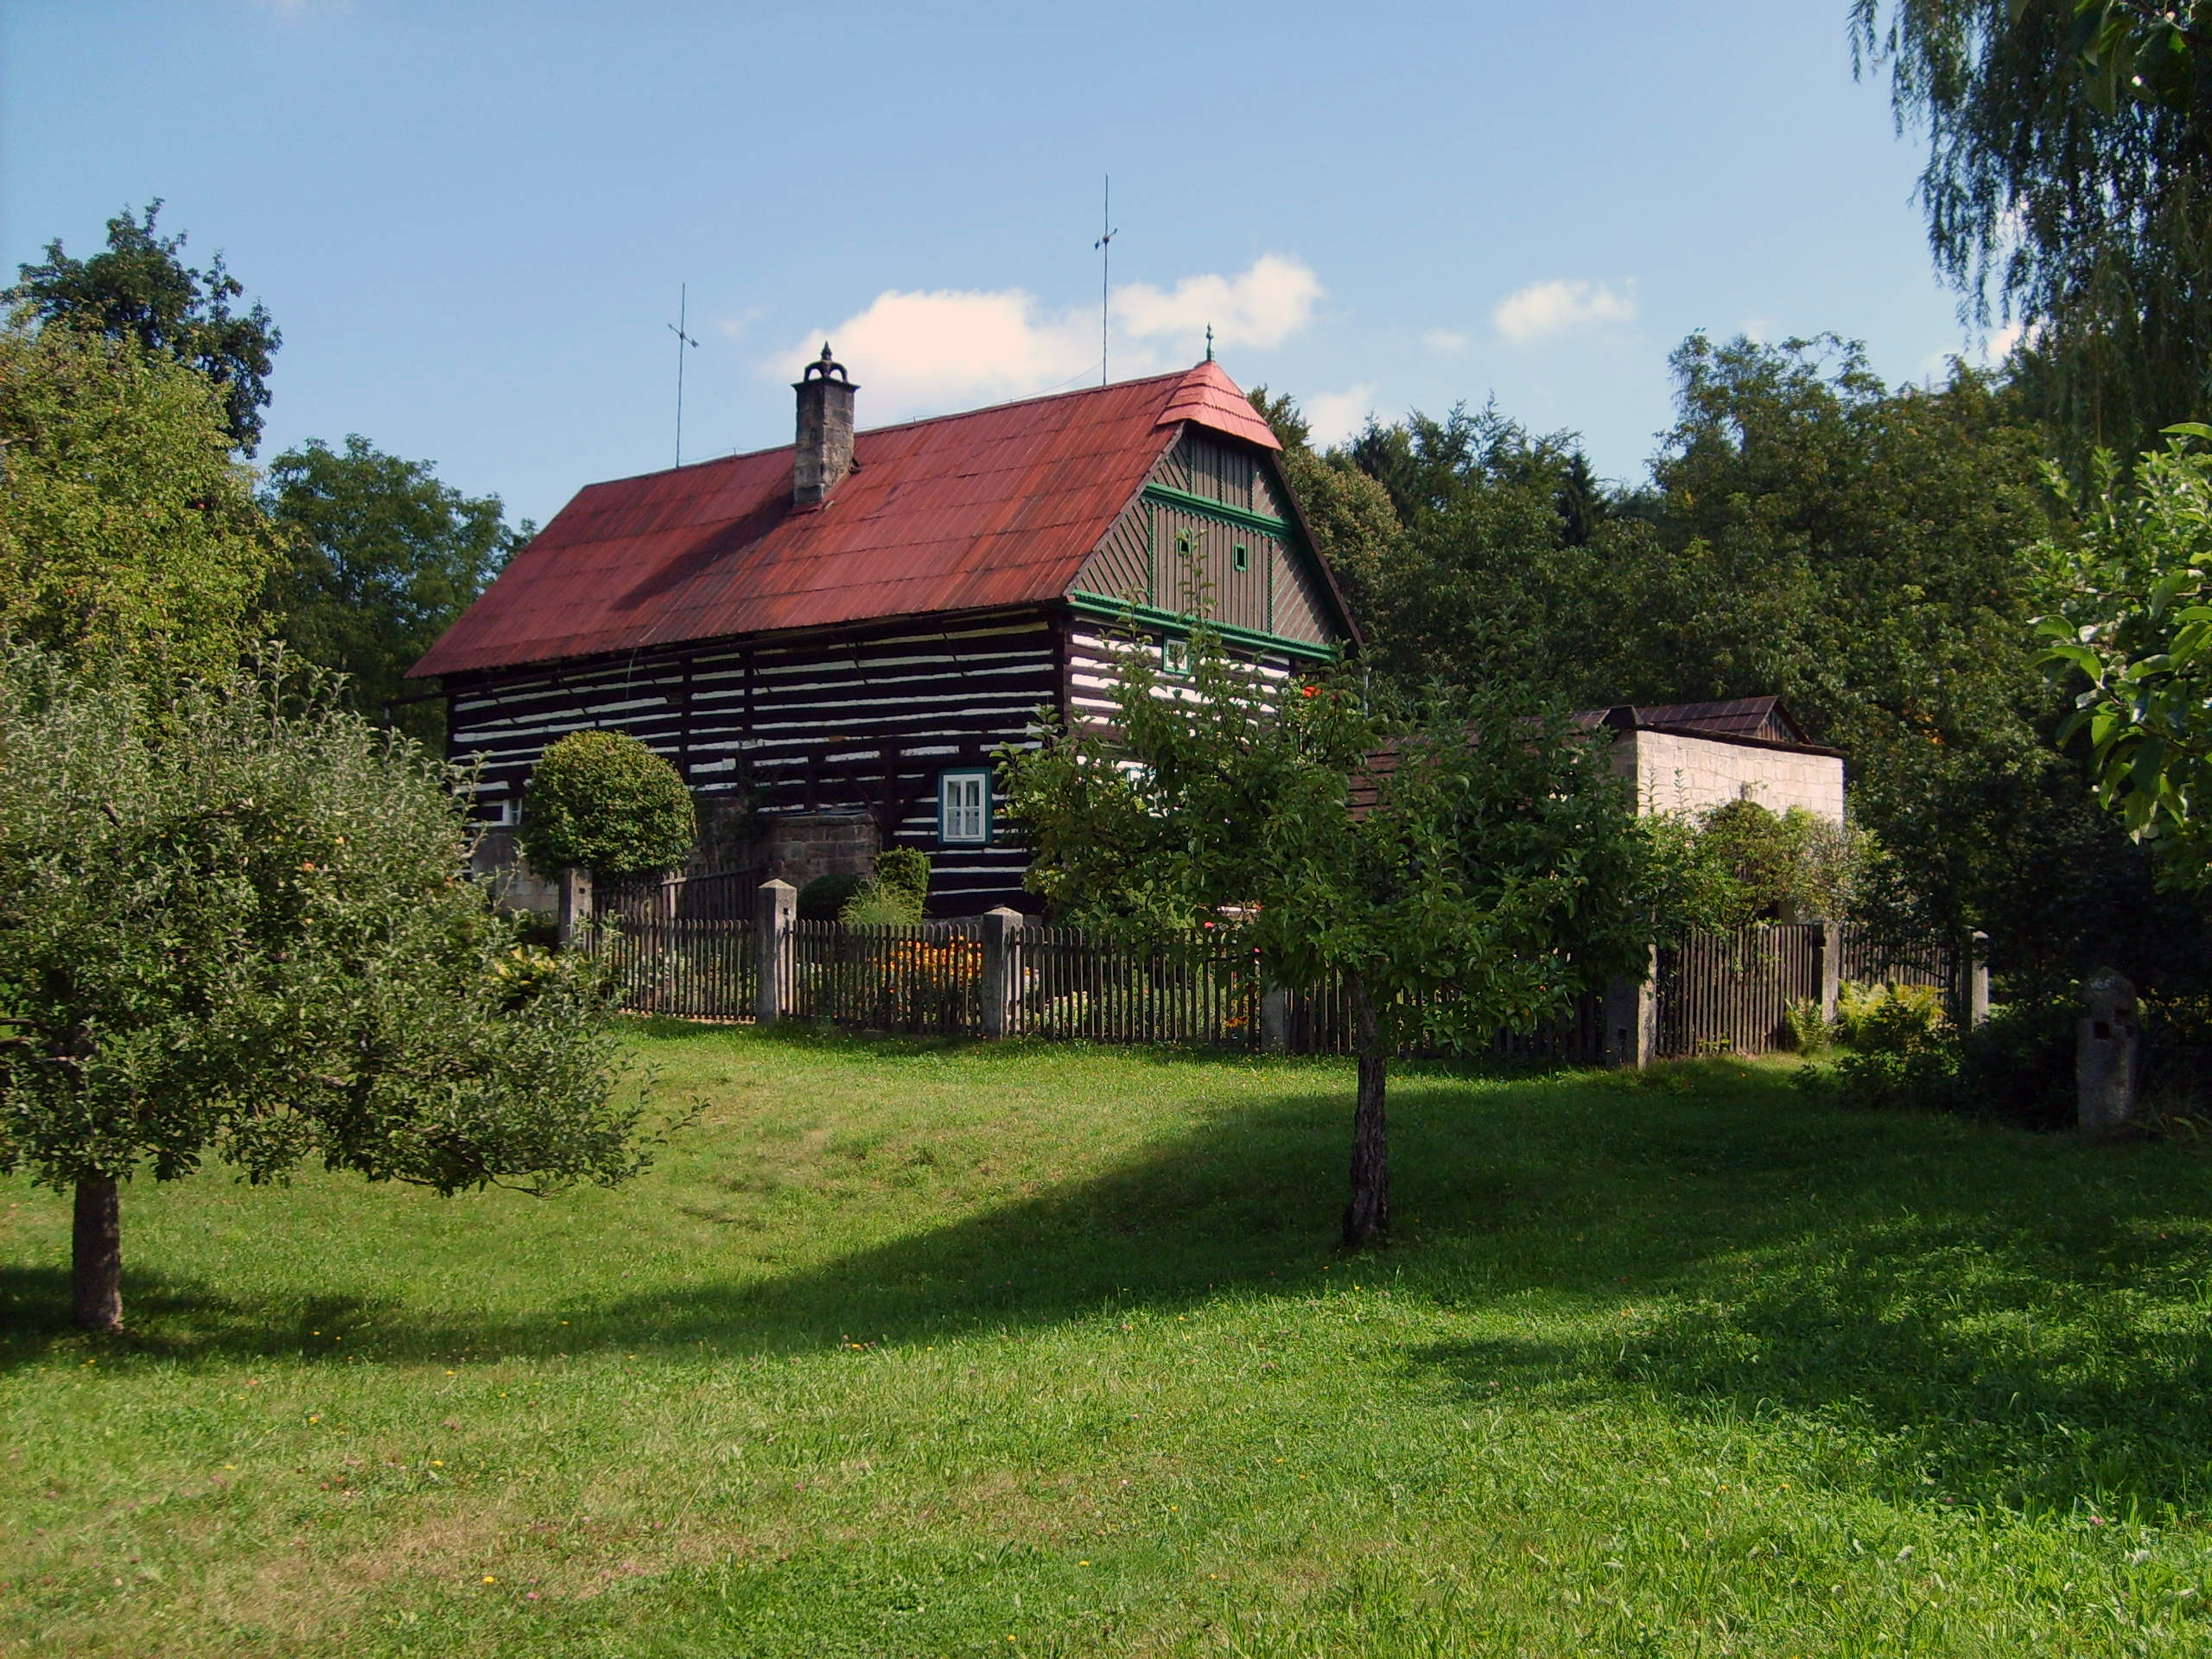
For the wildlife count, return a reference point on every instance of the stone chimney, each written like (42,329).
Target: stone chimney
(824,453)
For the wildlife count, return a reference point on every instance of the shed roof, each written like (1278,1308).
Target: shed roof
(1762,718)
(997,506)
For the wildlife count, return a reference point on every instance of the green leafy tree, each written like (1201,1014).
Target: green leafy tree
(2135,622)
(603,802)
(239,933)
(2069,187)
(382,557)
(139,289)
(1354,524)
(129,533)
(1468,868)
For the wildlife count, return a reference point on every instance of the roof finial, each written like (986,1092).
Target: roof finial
(823,365)
(1209,342)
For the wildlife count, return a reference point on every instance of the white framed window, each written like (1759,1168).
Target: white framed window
(503,812)
(1174,656)
(964,808)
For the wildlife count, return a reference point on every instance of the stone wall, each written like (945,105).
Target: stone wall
(796,847)
(515,886)
(1675,773)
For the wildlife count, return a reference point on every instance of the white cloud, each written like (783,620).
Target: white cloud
(943,349)
(1335,415)
(1444,340)
(1999,346)
(925,351)
(1557,307)
(1263,306)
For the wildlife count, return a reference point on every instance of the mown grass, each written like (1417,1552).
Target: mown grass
(909,1350)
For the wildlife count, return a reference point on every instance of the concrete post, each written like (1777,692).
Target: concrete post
(576,907)
(777,908)
(999,927)
(1631,1037)
(2105,1047)
(1275,1020)
(1828,957)
(1977,968)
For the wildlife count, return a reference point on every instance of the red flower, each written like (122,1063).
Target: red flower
(1312,690)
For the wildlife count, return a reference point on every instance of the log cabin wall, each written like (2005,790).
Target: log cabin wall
(863,722)
(1096,650)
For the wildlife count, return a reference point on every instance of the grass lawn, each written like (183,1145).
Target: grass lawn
(920,1349)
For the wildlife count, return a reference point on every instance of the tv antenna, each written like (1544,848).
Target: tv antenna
(682,301)
(1105,244)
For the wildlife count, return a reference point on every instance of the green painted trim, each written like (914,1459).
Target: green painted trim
(1151,616)
(1151,550)
(1279,528)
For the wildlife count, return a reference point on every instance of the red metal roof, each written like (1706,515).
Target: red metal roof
(1207,396)
(998,506)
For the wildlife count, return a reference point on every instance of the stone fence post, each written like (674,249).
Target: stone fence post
(1000,926)
(1631,1033)
(576,907)
(2105,1048)
(777,908)
(1977,967)
(1828,958)
(1275,1020)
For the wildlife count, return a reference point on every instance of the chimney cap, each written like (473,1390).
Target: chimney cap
(824,366)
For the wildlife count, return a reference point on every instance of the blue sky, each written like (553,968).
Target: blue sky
(471,220)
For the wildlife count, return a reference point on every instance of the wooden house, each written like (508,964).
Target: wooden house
(829,639)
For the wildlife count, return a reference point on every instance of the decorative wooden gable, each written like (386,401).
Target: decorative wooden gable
(1212,531)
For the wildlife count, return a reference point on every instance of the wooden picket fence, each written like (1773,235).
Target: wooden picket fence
(686,950)
(1067,983)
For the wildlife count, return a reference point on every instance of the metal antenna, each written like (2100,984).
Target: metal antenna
(682,301)
(1105,244)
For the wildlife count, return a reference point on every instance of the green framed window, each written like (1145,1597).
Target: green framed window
(1242,557)
(964,808)
(1174,655)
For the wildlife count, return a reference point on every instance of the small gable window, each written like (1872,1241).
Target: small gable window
(964,808)
(1241,558)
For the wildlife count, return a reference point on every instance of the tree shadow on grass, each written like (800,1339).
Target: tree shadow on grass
(2015,1319)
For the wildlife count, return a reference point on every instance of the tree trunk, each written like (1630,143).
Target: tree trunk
(96,1258)
(1367,1218)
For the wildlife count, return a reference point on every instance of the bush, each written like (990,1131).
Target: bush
(904,869)
(825,899)
(894,895)
(1901,1056)
(2019,1064)
(1857,1006)
(604,802)
(877,906)
(1795,867)
(1808,1027)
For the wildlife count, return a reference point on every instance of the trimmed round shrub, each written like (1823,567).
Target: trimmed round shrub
(825,899)
(905,870)
(605,803)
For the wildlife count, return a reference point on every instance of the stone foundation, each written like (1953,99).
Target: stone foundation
(796,846)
